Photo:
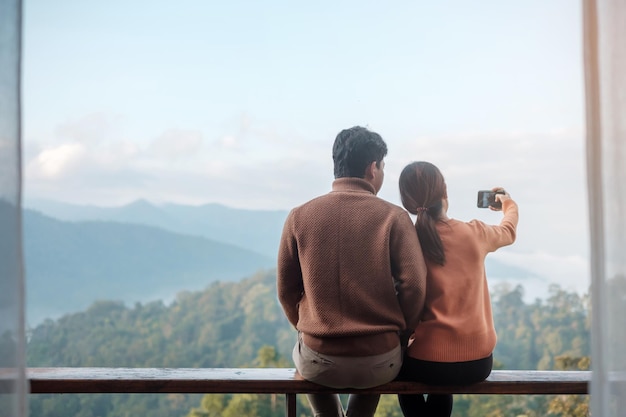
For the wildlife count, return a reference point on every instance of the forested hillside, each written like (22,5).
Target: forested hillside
(241,324)
(69,265)
(144,252)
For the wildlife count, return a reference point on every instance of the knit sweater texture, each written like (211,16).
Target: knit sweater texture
(351,276)
(457,324)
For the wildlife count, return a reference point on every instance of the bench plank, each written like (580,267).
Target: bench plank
(279,380)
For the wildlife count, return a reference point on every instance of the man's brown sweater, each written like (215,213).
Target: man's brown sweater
(351,276)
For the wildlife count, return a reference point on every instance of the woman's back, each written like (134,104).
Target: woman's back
(457,323)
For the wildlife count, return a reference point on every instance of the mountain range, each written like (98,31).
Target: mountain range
(76,255)
(69,265)
(255,230)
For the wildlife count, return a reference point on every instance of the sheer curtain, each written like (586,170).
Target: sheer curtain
(605,72)
(12,378)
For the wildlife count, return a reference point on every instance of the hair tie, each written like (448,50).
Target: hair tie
(421,209)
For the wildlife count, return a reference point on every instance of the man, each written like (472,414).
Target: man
(351,279)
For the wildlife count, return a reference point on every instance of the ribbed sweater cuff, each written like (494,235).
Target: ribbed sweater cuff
(443,346)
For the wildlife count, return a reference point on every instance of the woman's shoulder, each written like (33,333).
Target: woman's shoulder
(456,223)
(455,227)
(461,229)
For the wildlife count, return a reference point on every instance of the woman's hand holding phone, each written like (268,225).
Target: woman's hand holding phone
(500,197)
(493,198)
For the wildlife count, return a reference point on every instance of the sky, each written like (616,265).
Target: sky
(239,102)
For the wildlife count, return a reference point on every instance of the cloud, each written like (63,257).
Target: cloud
(250,165)
(176,144)
(57,162)
(229,142)
(250,140)
(92,128)
(570,272)
(543,171)
(497,153)
(257,163)
(279,168)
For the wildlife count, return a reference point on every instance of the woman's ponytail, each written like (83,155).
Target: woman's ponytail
(422,190)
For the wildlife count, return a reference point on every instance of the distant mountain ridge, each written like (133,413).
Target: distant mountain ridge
(142,252)
(69,265)
(255,230)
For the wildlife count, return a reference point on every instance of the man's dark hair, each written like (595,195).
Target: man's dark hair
(355,149)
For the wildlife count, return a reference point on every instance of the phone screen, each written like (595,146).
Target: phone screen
(487,198)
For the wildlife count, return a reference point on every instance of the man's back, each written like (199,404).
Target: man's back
(347,244)
(351,279)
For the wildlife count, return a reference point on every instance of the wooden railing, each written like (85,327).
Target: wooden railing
(278,381)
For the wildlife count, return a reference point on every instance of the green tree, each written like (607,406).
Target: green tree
(211,405)
(241,324)
(388,406)
(249,405)
(570,405)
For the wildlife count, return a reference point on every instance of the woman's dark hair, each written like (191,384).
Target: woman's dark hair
(355,149)
(422,189)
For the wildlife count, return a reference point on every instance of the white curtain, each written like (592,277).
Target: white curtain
(12,379)
(605,73)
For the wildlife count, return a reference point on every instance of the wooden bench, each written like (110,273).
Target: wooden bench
(278,381)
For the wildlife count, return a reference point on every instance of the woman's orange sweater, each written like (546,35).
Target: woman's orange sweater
(457,322)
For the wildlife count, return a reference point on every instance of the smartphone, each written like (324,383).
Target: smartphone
(487,198)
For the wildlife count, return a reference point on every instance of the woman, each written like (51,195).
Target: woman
(453,343)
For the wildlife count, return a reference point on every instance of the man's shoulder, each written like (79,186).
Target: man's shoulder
(387,206)
(373,210)
(305,209)
(391,206)
(321,199)
(333,199)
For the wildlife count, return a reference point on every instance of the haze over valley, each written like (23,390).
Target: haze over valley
(141,252)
